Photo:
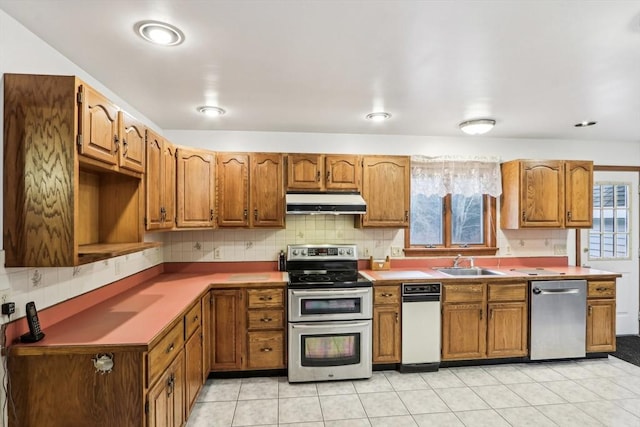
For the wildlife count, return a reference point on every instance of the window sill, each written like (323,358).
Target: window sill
(473,251)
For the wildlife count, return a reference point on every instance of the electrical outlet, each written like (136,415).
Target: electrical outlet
(367,252)
(396,251)
(217,253)
(560,249)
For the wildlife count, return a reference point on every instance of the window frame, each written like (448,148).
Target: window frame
(488,248)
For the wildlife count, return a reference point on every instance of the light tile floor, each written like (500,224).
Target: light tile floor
(593,392)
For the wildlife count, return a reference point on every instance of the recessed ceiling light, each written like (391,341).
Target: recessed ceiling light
(380,116)
(159,33)
(477,126)
(211,111)
(584,124)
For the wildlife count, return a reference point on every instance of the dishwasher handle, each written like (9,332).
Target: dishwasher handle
(538,291)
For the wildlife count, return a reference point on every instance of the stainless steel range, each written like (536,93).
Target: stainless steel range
(330,308)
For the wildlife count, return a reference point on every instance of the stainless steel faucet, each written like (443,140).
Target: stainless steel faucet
(456,261)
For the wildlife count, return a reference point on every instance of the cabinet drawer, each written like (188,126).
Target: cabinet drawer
(259,298)
(266,319)
(507,292)
(463,293)
(266,350)
(192,320)
(383,295)
(161,355)
(601,289)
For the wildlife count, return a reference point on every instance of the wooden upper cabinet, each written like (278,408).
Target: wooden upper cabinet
(132,143)
(320,172)
(195,188)
(267,190)
(233,189)
(98,136)
(160,182)
(386,186)
(63,208)
(578,194)
(546,194)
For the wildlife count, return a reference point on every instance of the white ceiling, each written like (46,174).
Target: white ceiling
(535,66)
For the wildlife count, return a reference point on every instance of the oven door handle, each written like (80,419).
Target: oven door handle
(331,325)
(330,293)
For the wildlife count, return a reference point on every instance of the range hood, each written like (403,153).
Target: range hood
(325,203)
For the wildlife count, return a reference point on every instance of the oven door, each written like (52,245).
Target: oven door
(330,304)
(325,351)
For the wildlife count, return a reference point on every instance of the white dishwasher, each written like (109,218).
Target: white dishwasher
(420,327)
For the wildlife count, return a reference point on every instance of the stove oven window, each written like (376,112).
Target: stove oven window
(331,350)
(331,306)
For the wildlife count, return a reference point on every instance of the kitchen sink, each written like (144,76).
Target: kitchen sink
(468,271)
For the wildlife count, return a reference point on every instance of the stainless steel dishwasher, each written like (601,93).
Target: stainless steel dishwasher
(558,319)
(420,327)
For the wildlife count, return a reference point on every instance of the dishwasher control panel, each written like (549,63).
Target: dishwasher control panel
(421,288)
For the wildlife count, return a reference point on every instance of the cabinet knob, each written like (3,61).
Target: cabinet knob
(590,310)
(318,177)
(266,298)
(195,318)
(170,348)
(386,295)
(569,215)
(266,349)
(245,213)
(406,215)
(255,214)
(602,289)
(266,319)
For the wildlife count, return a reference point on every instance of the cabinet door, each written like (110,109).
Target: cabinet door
(305,172)
(463,331)
(579,194)
(153,178)
(160,403)
(343,172)
(193,368)
(207,321)
(507,330)
(386,334)
(195,188)
(169,185)
(267,190)
(178,402)
(132,143)
(385,187)
(227,329)
(542,193)
(98,127)
(601,325)
(233,190)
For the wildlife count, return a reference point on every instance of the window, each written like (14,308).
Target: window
(462,220)
(610,237)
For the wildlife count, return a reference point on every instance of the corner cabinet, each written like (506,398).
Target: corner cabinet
(546,194)
(323,172)
(195,188)
(250,190)
(386,187)
(484,321)
(66,199)
(387,333)
(160,183)
(601,316)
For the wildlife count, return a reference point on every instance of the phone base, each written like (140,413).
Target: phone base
(28,337)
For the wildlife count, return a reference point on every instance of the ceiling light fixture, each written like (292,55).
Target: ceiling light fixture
(584,124)
(159,33)
(380,116)
(211,111)
(477,126)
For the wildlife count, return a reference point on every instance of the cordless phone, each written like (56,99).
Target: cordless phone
(34,334)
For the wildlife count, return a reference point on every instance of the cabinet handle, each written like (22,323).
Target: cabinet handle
(195,318)
(170,348)
(524,216)
(328,175)
(397,317)
(116,142)
(124,147)
(266,298)
(491,313)
(590,310)
(569,215)
(266,319)
(211,215)
(245,213)
(386,295)
(481,314)
(602,289)
(266,349)
(318,177)
(406,215)
(255,214)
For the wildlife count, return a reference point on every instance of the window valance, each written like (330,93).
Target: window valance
(457,175)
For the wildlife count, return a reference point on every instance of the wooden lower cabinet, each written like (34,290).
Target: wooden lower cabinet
(387,333)
(193,354)
(484,320)
(247,329)
(601,316)
(167,398)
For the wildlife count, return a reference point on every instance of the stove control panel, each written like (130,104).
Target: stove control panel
(322,252)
